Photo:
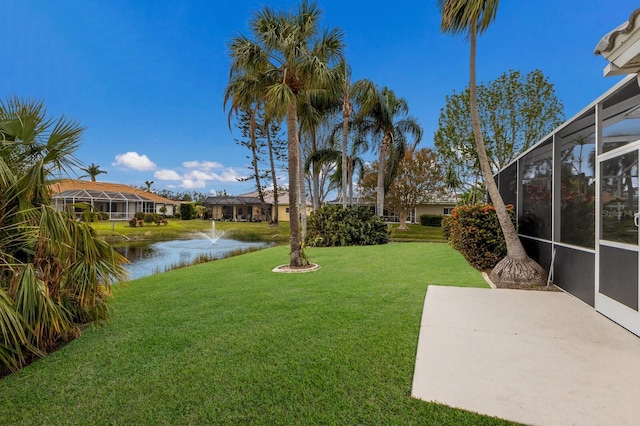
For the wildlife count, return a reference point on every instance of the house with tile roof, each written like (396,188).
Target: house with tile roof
(247,207)
(118,201)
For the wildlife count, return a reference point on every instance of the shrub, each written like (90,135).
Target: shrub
(102,215)
(475,232)
(139,215)
(431,220)
(133,222)
(334,226)
(151,218)
(186,211)
(446,226)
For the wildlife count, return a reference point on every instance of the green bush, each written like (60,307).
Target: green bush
(431,219)
(354,226)
(446,226)
(151,218)
(139,215)
(186,211)
(475,232)
(102,215)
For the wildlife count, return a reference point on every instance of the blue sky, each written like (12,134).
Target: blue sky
(147,77)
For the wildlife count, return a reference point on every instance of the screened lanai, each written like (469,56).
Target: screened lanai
(576,195)
(119,202)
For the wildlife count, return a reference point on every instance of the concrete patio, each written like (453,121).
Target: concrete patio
(534,357)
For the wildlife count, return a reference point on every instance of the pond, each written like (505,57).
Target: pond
(158,257)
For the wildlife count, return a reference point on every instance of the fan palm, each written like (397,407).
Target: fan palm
(92,171)
(292,55)
(54,272)
(389,124)
(473,17)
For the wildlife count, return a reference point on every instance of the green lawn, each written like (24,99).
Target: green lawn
(177,228)
(230,342)
(417,233)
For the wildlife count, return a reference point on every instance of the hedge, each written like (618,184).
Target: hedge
(334,226)
(475,232)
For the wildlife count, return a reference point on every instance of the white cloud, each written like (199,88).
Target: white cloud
(135,161)
(205,165)
(166,174)
(230,175)
(193,184)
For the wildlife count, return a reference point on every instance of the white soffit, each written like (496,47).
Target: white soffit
(621,47)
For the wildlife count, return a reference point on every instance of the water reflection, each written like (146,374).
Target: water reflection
(154,258)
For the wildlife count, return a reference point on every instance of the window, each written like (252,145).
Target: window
(286,210)
(578,186)
(447,210)
(536,177)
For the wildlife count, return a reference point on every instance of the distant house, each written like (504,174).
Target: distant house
(119,201)
(247,207)
(443,205)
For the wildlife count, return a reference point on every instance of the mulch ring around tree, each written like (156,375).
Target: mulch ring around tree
(287,269)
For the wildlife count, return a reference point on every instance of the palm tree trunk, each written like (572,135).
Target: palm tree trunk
(254,153)
(294,191)
(315,173)
(346,112)
(273,219)
(302,207)
(382,165)
(350,177)
(516,268)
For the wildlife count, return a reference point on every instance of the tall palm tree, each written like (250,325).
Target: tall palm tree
(92,171)
(473,17)
(294,57)
(55,272)
(245,92)
(390,125)
(364,94)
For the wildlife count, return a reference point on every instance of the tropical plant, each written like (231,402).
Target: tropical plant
(292,58)
(362,93)
(473,17)
(331,226)
(92,171)
(55,272)
(389,124)
(148,184)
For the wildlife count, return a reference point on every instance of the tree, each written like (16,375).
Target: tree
(92,171)
(364,94)
(325,159)
(245,91)
(55,272)
(515,111)
(292,57)
(419,180)
(148,184)
(473,17)
(389,124)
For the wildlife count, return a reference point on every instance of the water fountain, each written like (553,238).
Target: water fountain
(215,235)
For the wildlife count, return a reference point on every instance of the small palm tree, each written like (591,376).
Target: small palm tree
(473,17)
(55,272)
(389,124)
(92,171)
(293,57)
(148,183)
